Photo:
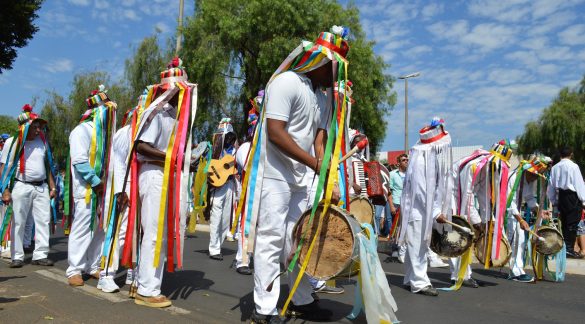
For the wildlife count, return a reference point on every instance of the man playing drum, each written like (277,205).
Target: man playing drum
(522,191)
(296,116)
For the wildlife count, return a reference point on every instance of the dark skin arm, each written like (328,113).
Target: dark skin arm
(278,135)
(150,152)
(52,187)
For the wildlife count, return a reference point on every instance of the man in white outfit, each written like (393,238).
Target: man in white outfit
(86,237)
(296,116)
(522,192)
(222,198)
(30,192)
(424,201)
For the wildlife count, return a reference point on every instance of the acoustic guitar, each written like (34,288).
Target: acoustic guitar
(220,170)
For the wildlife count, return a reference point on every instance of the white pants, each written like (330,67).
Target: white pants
(454,264)
(29,199)
(150,278)
(84,246)
(416,258)
(29,228)
(281,206)
(219,220)
(517,240)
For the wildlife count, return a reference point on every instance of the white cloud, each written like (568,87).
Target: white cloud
(502,76)
(527,58)
(449,30)
(507,11)
(431,10)
(101,4)
(131,14)
(59,65)
(535,43)
(554,53)
(417,50)
(574,35)
(79,2)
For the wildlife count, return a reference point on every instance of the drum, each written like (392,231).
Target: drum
(336,251)
(454,243)
(553,240)
(505,251)
(362,210)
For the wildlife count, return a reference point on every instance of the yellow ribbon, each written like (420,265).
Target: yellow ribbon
(165,186)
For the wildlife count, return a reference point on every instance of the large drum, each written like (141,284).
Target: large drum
(336,251)
(454,243)
(553,240)
(362,210)
(505,251)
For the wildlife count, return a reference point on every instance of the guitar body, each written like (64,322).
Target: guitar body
(220,170)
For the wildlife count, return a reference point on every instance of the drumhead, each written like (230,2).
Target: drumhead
(505,252)
(453,243)
(362,210)
(334,249)
(553,240)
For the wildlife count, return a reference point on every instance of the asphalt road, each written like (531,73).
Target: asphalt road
(209,291)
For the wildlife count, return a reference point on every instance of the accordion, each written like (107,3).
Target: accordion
(368,175)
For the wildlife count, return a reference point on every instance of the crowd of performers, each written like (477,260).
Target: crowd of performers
(131,193)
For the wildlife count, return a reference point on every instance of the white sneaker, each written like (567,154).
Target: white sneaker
(438,263)
(229,238)
(6,254)
(129,276)
(107,284)
(401,258)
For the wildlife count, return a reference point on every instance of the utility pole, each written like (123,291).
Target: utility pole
(405,78)
(180,28)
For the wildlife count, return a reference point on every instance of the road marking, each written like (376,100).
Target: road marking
(59,275)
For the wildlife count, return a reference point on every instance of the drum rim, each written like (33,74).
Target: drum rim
(553,229)
(498,265)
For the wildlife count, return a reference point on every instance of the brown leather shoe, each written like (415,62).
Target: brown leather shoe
(95,275)
(75,281)
(159,301)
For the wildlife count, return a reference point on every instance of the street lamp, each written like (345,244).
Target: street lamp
(405,78)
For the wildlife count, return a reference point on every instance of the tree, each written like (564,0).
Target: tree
(560,125)
(64,114)
(16,28)
(232,47)
(8,125)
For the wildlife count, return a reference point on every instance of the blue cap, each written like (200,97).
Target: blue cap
(5,136)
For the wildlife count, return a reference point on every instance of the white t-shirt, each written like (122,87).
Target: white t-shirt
(291,98)
(158,132)
(34,155)
(79,143)
(121,148)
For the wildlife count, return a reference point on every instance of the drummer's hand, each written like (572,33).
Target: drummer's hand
(392,209)
(441,219)
(356,188)
(524,225)
(547,214)
(335,195)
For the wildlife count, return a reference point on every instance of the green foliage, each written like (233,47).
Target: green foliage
(8,125)
(16,28)
(63,114)
(232,47)
(561,124)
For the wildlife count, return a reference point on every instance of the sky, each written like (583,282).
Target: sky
(487,67)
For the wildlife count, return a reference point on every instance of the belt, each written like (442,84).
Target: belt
(157,163)
(34,183)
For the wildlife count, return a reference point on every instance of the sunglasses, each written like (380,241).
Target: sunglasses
(404,160)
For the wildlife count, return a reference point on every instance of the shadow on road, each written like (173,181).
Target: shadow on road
(182,284)
(4,300)
(2,279)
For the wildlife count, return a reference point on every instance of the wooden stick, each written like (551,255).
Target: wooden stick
(540,238)
(463,228)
